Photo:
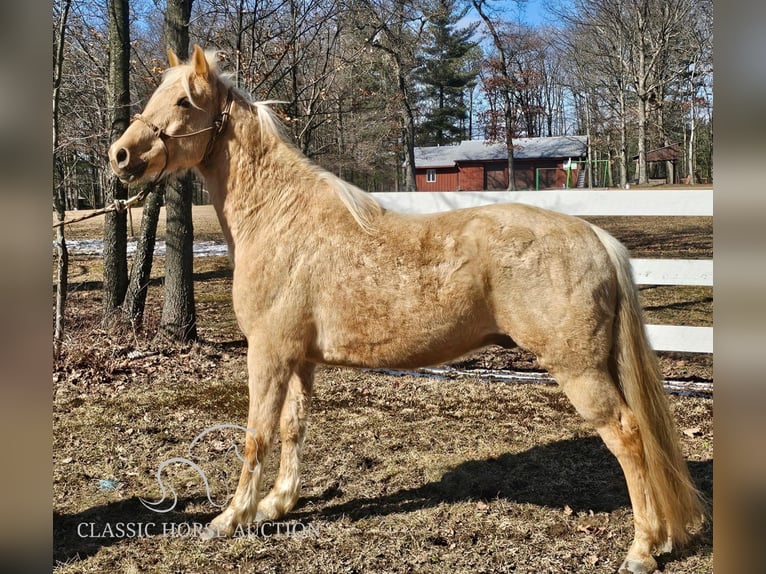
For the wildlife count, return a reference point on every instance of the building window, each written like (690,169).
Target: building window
(431,175)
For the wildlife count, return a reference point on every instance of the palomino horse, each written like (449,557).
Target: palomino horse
(323,274)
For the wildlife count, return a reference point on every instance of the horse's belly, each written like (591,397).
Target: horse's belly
(401,340)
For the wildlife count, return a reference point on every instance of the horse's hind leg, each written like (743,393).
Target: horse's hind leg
(596,397)
(268,374)
(284,494)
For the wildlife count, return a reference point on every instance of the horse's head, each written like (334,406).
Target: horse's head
(177,128)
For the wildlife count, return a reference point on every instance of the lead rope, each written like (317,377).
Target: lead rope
(119,205)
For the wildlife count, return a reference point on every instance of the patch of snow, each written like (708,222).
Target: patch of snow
(95,247)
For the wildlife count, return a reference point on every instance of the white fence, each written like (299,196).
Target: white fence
(617,203)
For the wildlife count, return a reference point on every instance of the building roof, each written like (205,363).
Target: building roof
(481,150)
(667,153)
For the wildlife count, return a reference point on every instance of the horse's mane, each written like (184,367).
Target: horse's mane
(359,203)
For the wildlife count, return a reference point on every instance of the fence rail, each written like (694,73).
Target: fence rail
(673,271)
(573,202)
(667,202)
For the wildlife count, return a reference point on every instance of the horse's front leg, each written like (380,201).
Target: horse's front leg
(292,429)
(268,376)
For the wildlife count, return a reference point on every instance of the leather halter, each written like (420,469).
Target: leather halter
(219,125)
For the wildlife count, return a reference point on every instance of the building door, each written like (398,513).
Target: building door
(495,178)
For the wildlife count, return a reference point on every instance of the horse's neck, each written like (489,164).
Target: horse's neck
(240,178)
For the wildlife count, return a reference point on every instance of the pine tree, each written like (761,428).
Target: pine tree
(447,71)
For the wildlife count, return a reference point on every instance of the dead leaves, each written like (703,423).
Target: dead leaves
(591,526)
(108,364)
(587,522)
(591,559)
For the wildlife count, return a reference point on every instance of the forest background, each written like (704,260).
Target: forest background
(365,81)
(362,83)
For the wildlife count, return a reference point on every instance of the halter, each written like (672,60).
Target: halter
(219,124)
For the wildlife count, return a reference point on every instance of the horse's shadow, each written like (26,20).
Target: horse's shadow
(579,473)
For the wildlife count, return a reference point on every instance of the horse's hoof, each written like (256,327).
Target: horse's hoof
(666,548)
(272,508)
(221,526)
(210,532)
(261,517)
(633,567)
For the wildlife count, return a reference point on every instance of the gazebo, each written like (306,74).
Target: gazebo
(662,164)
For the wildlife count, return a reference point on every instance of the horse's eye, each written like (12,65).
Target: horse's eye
(183,102)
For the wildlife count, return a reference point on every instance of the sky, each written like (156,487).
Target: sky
(530,12)
(534,13)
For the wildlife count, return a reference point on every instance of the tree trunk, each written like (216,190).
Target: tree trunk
(589,165)
(141,271)
(509,143)
(690,151)
(115,224)
(669,165)
(410,182)
(179,319)
(623,154)
(501,47)
(642,105)
(408,121)
(59,195)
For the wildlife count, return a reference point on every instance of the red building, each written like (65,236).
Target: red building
(477,165)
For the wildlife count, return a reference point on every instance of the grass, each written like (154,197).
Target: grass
(401,473)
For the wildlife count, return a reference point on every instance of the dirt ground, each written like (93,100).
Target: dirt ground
(402,473)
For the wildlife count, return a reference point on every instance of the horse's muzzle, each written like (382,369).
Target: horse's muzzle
(124,165)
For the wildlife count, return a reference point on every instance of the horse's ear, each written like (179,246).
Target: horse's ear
(173,60)
(199,62)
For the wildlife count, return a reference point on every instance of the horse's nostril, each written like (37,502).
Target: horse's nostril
(122,156)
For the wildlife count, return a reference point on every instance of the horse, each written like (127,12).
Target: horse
(325,275)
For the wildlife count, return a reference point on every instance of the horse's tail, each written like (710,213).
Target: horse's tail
(670,488)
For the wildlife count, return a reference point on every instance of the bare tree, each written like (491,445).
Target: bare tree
(654,27)
(396,29)
(143,259)
(179,318)
(698,67)
(59,197)
(594,76)
(649,36)
(506,83)
(82,122)
(115,223)
(141,268)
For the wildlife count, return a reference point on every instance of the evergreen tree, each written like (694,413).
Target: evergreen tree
(448,70)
